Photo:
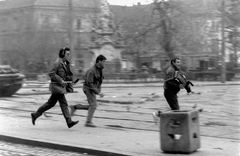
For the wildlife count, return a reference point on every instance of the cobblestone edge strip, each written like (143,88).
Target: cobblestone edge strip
(58,146)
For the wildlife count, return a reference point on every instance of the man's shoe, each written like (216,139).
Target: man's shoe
(71,124)
(90,124)
(72,110)
(155,118)
(33,118)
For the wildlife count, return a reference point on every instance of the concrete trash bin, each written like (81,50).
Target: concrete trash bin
(179,131)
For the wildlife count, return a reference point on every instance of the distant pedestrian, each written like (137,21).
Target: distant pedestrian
(91,88)
(61,83)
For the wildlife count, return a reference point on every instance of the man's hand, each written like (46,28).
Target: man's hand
(101,95)
(62,83)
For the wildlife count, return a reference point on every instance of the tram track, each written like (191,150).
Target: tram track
(116,126)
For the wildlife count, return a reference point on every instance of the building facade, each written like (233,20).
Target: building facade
(33,31)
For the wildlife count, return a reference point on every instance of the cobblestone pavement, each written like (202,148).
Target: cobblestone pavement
(11,149)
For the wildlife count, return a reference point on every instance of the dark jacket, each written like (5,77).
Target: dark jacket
(60,71)
(170,81)
(93,79)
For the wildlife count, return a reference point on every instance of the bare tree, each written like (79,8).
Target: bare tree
(233,17)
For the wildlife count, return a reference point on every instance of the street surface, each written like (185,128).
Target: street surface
(11,149)
(130,108)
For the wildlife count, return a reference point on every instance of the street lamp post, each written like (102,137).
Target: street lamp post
(223,69)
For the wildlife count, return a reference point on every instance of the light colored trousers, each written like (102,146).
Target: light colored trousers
(91,97)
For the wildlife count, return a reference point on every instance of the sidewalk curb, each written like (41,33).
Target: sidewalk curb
(56,146)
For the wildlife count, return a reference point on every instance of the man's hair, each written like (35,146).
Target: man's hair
(100,58)
(62,52)
(174,60)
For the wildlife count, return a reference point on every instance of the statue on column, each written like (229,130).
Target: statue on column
(106,17)
(106,39)
(118,35)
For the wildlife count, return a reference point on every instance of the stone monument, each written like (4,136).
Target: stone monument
(107,40)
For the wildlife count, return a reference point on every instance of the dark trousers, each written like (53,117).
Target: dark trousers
(172,99)
(54,98)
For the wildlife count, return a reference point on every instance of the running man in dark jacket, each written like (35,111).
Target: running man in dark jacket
(171,86)
(91,88)
(61,83)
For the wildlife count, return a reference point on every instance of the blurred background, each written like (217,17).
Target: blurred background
(139,40)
